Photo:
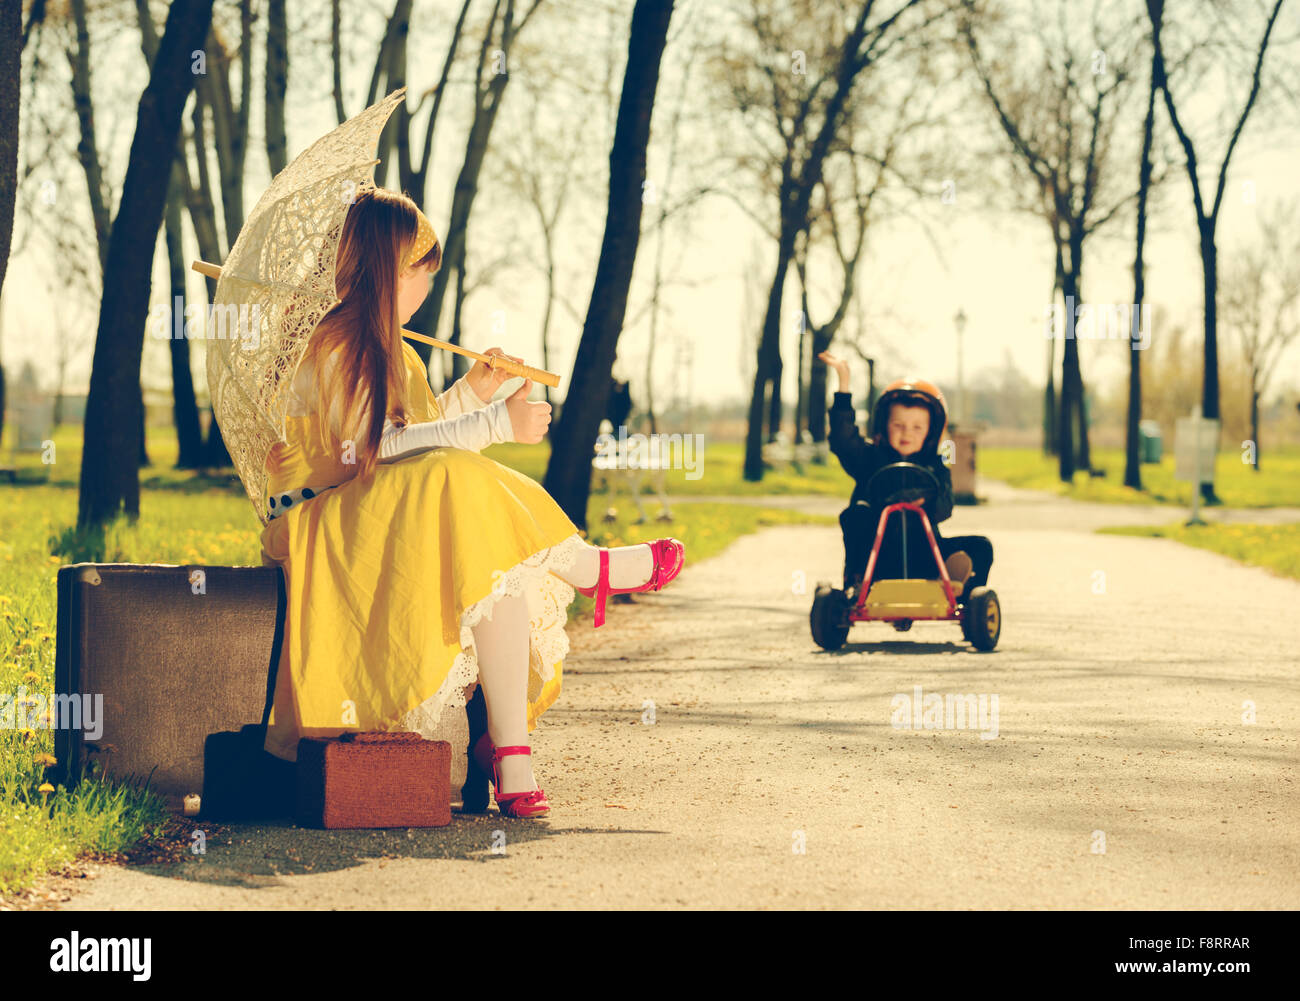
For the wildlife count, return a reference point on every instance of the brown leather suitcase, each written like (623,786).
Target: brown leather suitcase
(374,779)
(169,658)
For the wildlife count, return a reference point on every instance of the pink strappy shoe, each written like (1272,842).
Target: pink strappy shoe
(670,557)
(519,805)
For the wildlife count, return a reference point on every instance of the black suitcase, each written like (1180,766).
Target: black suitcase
(167,666)
(242,781)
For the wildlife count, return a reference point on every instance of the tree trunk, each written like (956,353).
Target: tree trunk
(88,147)
(11,46)
(1254,416)
(1072,374)
(800,383)
(546,321)
(204,220)
(144,443)
(1210,377)
(817,406)
(568,473)
(1132,457)
(1069,371)
(774,400)
(277,82)
(110,481)
(1083,454)
(1050,444)
(1049,402)
(767,350)
(185,410)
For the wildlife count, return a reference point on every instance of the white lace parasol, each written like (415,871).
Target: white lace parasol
(277,284)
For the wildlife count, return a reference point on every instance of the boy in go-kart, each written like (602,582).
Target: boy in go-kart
(906,426)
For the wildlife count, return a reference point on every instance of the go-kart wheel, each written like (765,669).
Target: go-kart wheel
(981,620)
(829,618)
(902,625)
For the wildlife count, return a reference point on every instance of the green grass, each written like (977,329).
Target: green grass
(1276,547)
(1277,484)
(189,519)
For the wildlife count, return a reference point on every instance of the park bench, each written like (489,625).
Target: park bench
(628,467)
(172,667)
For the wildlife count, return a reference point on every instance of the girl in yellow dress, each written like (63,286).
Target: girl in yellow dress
(415,566)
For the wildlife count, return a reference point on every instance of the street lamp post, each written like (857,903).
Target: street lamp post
(960,321)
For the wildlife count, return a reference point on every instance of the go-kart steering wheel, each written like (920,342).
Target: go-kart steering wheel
(902,481)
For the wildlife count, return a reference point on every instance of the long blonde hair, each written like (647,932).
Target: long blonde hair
(361,333)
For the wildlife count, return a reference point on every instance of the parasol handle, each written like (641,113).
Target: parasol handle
(504,364)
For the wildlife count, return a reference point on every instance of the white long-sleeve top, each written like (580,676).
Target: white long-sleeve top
(467,423)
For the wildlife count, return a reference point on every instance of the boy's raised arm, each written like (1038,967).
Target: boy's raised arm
(844,438)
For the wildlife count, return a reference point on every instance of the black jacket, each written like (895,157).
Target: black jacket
(860,459)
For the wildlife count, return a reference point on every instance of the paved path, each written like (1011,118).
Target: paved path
(1121,678)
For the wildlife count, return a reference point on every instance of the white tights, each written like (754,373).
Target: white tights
(501,643)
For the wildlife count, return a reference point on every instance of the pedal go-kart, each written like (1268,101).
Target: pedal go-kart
(902,601)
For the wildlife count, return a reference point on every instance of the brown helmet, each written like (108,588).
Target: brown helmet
(911,392)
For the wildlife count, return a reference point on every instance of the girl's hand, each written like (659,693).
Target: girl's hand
(841,369)
(485,379)
(528,419)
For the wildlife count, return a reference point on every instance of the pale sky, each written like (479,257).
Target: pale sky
(999,269)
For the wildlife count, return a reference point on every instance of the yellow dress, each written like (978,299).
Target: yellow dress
(386,578)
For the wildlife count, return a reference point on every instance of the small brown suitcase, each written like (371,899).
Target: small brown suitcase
(374,779)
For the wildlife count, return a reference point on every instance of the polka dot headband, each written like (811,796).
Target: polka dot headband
(424,238)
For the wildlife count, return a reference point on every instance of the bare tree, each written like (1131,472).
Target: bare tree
(810,406)
(794,105)
(568,473)
(1261,301)
(1061,115)
(884,144)
(214,99)
(1207,218)
(1132,460)
(190,452)
(109,477)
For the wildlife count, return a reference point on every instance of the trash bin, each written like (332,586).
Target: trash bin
(1150,446)
(963,467)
